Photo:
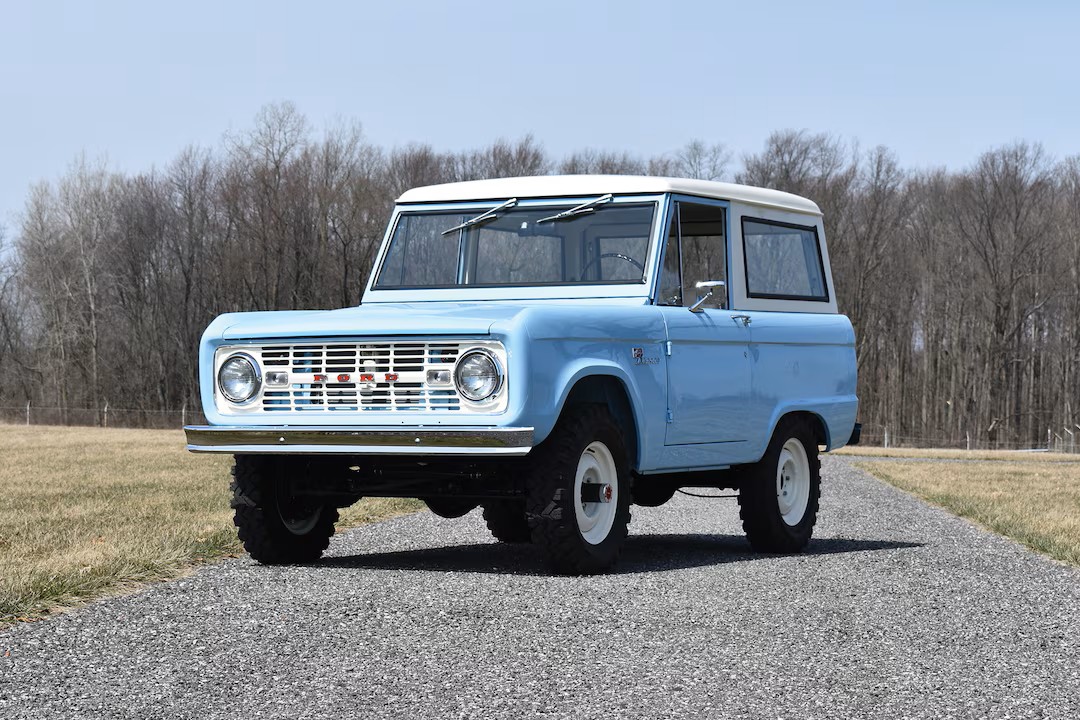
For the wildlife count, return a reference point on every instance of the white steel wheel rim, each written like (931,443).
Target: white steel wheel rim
(792,482)
(596,466)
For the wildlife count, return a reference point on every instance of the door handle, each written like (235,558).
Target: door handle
(745,319)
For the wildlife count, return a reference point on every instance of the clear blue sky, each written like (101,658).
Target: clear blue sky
(939,82)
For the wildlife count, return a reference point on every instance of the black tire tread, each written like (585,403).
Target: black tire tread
(258,525)
(764,528)
(557,537)
(506,520)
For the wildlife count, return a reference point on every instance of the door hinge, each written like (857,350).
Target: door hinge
(670,416)
(668,345)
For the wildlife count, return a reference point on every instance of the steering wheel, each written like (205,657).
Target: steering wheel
(600,257)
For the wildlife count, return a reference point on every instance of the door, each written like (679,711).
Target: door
(708,363)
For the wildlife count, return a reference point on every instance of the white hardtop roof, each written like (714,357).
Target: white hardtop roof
(586,185)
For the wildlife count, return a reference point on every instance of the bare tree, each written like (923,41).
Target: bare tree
(502,159)
(963,286)
(702,161)
(594,162)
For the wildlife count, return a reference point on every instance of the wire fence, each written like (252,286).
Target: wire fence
(105,416)
(1063,440)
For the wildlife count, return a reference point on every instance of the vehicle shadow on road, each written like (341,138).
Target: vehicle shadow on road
(642,554)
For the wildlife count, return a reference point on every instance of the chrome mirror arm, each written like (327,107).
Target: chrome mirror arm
(709,285)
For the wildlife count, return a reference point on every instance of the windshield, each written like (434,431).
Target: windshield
(609,244)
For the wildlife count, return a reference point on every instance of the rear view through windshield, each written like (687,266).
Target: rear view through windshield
(606,244)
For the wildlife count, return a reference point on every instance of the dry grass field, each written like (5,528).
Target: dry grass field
(949,454)
(1033,498)
(86,512)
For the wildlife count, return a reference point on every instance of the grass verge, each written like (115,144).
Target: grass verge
(1036,503)
(87,512)
(947,454)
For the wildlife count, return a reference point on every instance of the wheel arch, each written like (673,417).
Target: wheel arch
(602,386)
(814,421)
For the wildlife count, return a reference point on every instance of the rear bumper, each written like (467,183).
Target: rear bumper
(351,440)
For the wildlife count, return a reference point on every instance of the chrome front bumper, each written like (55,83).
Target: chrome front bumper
(351,440)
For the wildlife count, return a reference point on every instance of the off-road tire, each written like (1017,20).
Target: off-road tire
(550,485)
(506,520)
(759,504)
(258,485)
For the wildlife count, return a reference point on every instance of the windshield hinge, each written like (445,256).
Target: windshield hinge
(668,345)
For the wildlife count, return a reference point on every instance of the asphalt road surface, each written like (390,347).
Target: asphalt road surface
(899,610)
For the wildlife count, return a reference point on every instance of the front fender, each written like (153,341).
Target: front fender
(643,390)
(581,370)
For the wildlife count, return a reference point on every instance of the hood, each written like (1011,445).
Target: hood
(378,319)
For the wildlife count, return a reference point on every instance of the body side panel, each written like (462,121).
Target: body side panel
(802,362)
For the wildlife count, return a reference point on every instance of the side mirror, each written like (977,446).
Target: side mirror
(709,285)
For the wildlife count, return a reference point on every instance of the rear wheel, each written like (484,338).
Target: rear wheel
(275,526)
(778,495)
(578,496)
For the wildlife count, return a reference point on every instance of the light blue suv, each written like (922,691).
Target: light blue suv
(552,349)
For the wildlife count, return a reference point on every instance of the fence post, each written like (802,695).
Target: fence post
(1047,438)
(968,434)
(106,413)
(27,412)
(886,437)
(183,414)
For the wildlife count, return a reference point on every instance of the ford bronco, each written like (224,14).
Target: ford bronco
(552,350)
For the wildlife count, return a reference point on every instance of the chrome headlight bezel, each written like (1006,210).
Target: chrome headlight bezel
(256,386)
(500,375)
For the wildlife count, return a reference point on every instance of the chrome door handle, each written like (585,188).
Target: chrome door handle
(745,319)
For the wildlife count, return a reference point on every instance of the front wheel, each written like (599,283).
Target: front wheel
(578,494)
(778,495)
(275,526)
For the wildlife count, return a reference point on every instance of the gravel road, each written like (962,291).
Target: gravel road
(899,610)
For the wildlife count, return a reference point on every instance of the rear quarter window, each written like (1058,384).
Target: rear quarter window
(783,261)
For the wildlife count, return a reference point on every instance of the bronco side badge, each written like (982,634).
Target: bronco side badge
(640,359)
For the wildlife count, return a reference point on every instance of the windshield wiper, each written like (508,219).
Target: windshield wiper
(581,209)
(482,217)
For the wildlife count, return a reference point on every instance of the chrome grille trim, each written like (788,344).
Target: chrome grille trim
(343,377)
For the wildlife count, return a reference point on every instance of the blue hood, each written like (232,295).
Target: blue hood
(377,319)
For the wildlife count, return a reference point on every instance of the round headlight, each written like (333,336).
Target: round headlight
(239,378)
(477,375)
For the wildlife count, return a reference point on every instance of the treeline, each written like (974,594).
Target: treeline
(964,287)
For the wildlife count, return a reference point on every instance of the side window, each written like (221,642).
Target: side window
(704,251)
(671,276)
(783,261)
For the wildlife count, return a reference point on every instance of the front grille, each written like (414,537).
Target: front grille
(383,376)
